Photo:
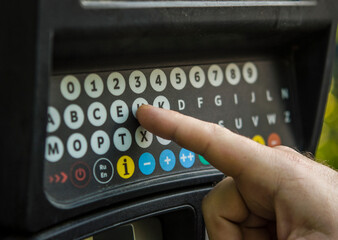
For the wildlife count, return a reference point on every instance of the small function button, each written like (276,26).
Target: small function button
(197,77)
(233,74)
(203,160)
(178,79)
(119,111)
(137,103)
(80,174)
(53,119)
(250,73)
(70,88)
(143,137)
(167,160)
(97,114)
(122,139)
(259,139)
(274,140)
(103,171)
(116,83)
(100,142)
(53,149)
(93,85)
(125,167)
(158,80)
(187,158)
(73,116)
(215,75)
(147,163)
(161,102)
(137,82)
(77,145)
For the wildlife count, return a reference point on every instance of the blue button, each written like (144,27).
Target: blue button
(146,163)
(167,160)
(187,158)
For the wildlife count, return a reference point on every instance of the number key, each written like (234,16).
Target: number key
(116,83)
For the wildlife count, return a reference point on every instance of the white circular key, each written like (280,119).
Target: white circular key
(158,80)
(137,82)
(70,87)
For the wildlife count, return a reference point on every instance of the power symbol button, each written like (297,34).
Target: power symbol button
(80,174)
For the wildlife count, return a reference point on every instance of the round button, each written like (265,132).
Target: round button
(259,139)
(122,139)
(274,140)
(137,82)
(119,111)
(53,119)
(53,149)
(161,102)
(158,80)
(73,116)
(125,167)
(250,73)
(97,114)
(70,87)
(203,160)
(167,160)
(146,163)
(215,75)
(137,103)
(100,142)
(103,171)
(116,83)
(77,145)
(197,77)
(178,79)
(163,141)
(143,137)
(187,158)
(93,85)
(80,174)
(233,74)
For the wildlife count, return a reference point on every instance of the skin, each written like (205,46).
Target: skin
(270,193)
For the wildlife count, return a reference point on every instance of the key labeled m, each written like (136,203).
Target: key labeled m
(53,149)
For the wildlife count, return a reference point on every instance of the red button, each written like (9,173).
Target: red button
(80,174)
(274,140)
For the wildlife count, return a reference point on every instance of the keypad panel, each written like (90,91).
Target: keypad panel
(95,144)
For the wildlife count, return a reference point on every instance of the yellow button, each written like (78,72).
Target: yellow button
(259,139)
(125,167)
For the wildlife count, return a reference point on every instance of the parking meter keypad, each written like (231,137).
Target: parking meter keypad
(95,144)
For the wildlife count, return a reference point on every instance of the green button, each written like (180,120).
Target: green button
(203,161)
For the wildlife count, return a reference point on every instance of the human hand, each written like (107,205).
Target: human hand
(270,192)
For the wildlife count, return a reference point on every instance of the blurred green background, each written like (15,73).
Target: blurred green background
(327,151)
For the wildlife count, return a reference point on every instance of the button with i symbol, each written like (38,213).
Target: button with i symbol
(125,167)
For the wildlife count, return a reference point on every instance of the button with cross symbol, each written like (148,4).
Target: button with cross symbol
(167,160)
(143,137)
(187,158)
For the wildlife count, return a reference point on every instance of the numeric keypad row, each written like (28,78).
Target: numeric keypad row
(93,84)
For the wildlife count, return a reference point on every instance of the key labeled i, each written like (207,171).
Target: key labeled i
(125,167)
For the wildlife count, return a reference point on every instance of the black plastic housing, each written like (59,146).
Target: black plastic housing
(41,38)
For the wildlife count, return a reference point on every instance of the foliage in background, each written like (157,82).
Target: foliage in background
(327,151)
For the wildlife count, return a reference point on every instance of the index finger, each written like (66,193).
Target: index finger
(225,150)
